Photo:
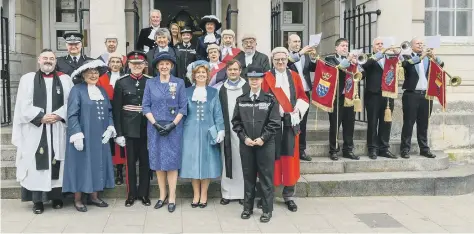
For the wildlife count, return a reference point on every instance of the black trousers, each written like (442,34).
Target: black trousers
(261,160)
(137,150)
(40,196)
(378,131)
(303,126)
(346,118)
(416,109)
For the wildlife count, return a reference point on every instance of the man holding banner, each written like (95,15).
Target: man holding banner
(381,87)
(333,91)
(420,68)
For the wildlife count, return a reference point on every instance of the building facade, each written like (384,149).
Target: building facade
(36,24)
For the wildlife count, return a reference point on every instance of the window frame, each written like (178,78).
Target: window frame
(451,39)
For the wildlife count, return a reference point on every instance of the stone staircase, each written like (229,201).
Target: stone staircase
(451,173)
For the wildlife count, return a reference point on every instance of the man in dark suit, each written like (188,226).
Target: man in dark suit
(341,114)
(146,37)
(375,103)
(162,39)
(250,57)
(303,65)
(69,63)
(416,108)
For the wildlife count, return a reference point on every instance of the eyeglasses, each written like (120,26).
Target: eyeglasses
(280,59)
(248,42)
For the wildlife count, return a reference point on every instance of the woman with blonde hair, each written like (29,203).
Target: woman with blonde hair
(203,131)
(175,34)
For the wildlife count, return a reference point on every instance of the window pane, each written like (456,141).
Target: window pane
(66,11)
(293,13)
(446,3)
(430,3)
(430,23)
(446,23)
(464,23)
(464,3)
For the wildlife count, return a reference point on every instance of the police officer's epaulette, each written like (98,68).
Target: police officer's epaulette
(147,76)
(125,75)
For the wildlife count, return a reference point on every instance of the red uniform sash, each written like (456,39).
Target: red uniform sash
(281,97)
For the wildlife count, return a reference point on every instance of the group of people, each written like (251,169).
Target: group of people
(199,112)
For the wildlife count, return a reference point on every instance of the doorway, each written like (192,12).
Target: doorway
(183,12)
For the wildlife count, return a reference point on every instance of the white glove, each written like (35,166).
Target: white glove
(79,144)
(220,136)
(295,118)
(120,141)
(109,133)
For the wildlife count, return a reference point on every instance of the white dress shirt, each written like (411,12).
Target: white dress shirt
(299,66)
(114,76)
(422,81)
(213,65)
(163,49)
(249,59)
(226,50)
(252,93)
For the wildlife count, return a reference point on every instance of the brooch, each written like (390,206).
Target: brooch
(173,87)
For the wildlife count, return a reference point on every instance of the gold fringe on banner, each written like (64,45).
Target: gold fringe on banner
(357,105)
(400,72)
(322,107)
(348,102)
(388,113)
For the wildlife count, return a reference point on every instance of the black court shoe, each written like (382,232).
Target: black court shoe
(57,204)
(246,214)
(291,206)
(38,208)
(265,218)
(99,203)
(82,208)
(161,203)
(202,204)
(145,201)
(225,201)
(171,207)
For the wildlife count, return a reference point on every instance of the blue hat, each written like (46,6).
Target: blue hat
(255,72)
(163,56)
(200,63)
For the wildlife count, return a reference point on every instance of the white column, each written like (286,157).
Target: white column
(106,17)
(399,11)
(255,17)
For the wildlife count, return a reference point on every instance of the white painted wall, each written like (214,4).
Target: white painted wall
(255,17)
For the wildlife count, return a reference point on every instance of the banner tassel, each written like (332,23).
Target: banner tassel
(357,104)
(400,71)
(388,113)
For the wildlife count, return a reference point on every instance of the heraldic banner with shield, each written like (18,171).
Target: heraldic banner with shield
(390,77)
(324,88)
(436,83)
(349,86)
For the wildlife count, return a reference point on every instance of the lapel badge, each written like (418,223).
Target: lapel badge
(41,151)
(58,90)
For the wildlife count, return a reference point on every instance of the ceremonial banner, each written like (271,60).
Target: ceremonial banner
(349,86)
(436,83)
(390,77)
(324,88)
(228,57)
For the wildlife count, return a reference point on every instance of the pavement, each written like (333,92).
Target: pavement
(394,214)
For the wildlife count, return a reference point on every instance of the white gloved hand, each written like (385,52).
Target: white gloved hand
(220,136)
(79,144)
(295,118)
(120,141)
(109,133)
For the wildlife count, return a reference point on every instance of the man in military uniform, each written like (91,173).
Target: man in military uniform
(69,63)
(187,54)
(130,125)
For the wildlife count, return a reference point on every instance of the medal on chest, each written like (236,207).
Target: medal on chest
(173,88)
(58,90)
(137,84)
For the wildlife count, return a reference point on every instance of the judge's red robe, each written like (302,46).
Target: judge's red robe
(118,153)
(287,168)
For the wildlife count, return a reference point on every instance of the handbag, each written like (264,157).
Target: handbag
(213,133)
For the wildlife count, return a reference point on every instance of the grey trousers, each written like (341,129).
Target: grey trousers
(288,193)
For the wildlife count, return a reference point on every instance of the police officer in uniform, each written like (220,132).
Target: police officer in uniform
(256,120)
(130,124)
(69,63)
(187,54)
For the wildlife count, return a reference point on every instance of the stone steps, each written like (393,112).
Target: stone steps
(323,165)
(455,180)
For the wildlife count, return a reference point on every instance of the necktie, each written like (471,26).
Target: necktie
(254,97)
(75,60)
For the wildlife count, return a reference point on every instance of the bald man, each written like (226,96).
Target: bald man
(303,66)
(416,108)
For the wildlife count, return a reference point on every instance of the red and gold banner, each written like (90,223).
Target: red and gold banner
(349,86)
(390,77)
(436,83)
(324,88)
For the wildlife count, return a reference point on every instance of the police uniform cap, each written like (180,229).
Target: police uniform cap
(255,72)
(73,37)
(187,29)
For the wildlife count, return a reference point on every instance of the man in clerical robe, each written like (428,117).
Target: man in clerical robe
(287,88)
(39,132)
(232,182)
(228,50)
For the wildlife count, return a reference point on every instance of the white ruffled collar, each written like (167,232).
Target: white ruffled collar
(199,94)
(94,93)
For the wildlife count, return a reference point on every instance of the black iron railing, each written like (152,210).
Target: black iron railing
(5,70)
(276,26)
(228,18)
(358,30)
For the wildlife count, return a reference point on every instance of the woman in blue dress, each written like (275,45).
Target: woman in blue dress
(88,164)
(164,105)
(203,131)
